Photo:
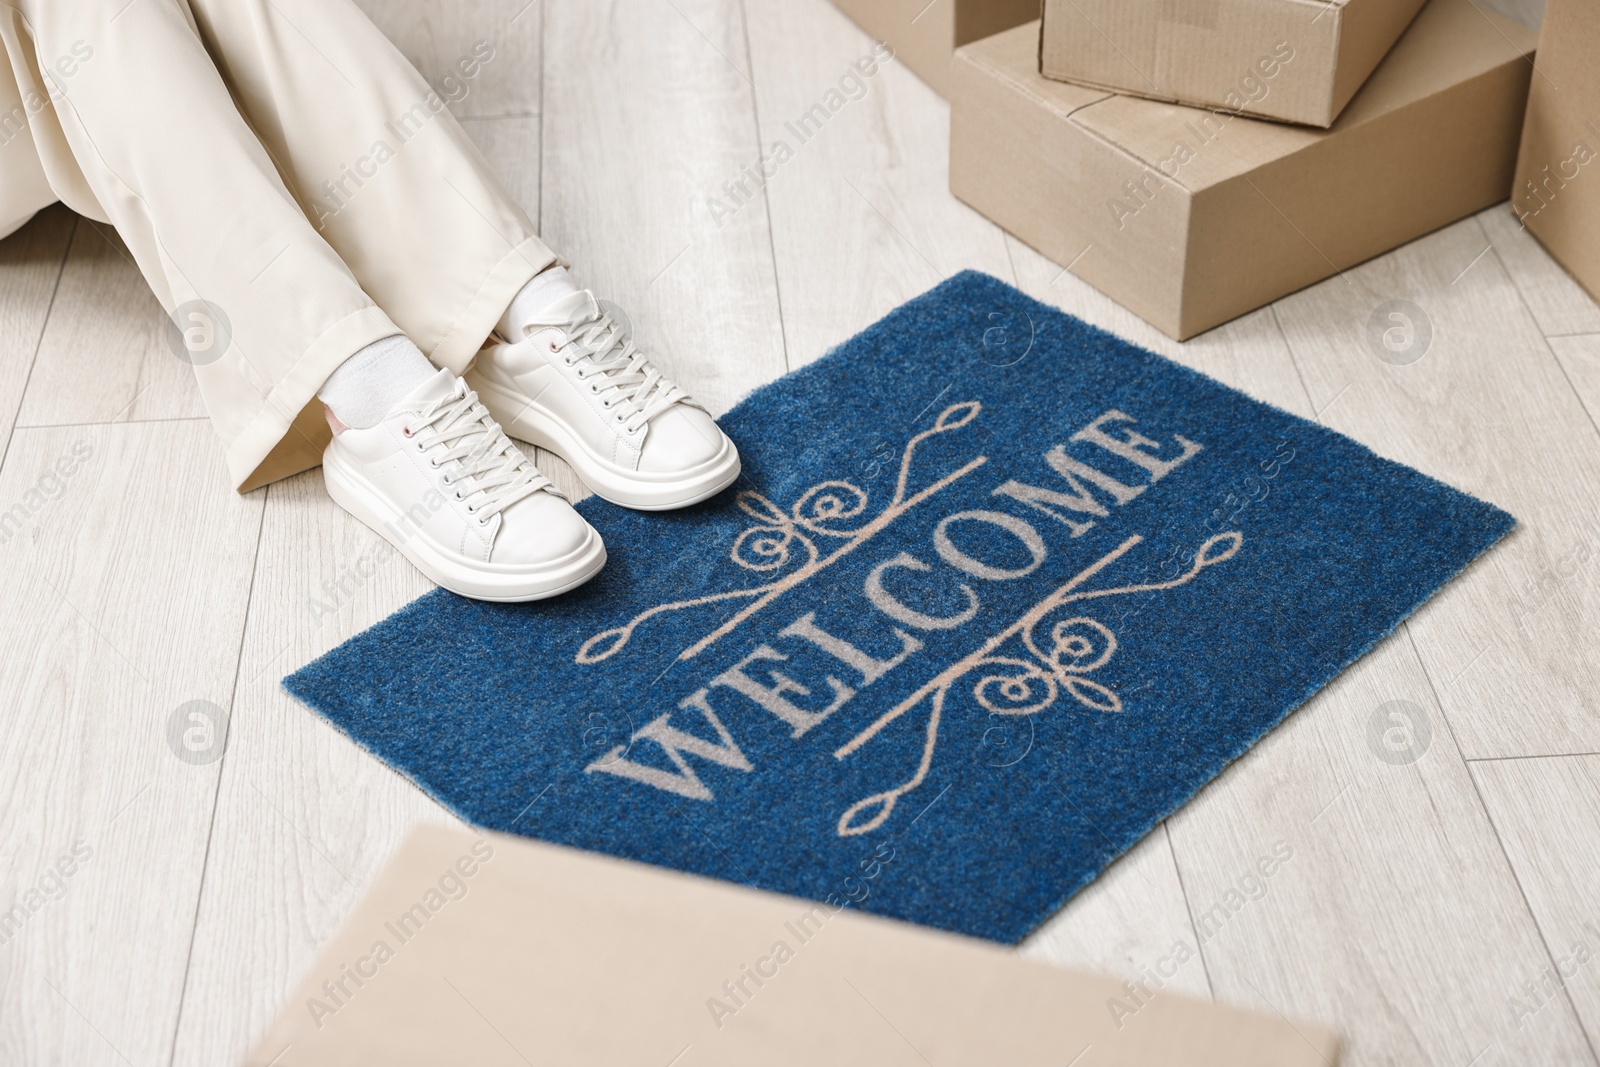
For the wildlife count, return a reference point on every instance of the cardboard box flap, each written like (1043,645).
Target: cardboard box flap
(1008,54)
(1368,29)
(506,951)
(1447,44)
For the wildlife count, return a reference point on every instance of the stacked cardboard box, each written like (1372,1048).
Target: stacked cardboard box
(1198,159)
(1279,59)
(1193,216)
(1557,189)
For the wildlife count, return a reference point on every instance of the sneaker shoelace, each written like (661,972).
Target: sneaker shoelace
(491,466)
(629,383)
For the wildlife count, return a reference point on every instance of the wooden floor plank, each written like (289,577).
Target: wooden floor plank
(106,354)
(31,261)
(482,56)
(124,600)
(1558,303)
(1392,915)
(1580,358)
(305,818)
(647,109)
(1547,812)
(1131,922)
(1487,409)
(862,217)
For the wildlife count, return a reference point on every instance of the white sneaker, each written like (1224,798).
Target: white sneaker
(442,482)
(577,385)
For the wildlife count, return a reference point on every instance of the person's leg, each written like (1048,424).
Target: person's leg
(385,173)
(396,187)
(141,117)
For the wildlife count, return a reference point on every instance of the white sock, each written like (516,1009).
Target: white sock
(542,290)
(371,383)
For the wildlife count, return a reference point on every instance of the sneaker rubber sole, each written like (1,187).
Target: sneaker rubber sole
(469,578)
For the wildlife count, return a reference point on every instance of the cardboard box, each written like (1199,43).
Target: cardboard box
(499,950)
(1192,217)
(1557,188)
(925,33)
(1291,60)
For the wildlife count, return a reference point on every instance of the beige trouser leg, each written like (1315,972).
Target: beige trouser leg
(282,162)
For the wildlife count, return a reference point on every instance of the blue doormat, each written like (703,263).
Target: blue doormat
(997,593)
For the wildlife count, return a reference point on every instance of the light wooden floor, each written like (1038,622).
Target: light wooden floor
(1421,898)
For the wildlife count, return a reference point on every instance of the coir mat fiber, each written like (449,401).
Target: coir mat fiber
(996,593)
